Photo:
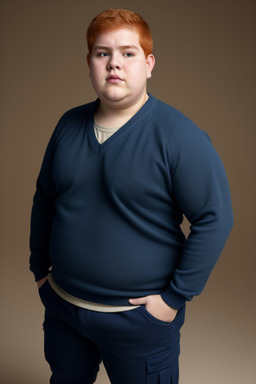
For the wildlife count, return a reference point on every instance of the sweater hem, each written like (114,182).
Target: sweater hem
(113,298)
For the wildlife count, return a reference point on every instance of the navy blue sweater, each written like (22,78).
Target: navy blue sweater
(106,217)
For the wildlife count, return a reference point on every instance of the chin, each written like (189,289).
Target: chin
(114,98)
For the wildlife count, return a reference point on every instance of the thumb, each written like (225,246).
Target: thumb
(138,301)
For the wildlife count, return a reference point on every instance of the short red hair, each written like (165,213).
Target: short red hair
(112,19)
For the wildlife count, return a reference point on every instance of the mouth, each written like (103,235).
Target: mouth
(114,79)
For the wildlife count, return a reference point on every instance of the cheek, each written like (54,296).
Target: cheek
(96,74)
(138,75)
(96,68)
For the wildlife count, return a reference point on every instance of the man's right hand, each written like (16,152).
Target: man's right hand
(41,282)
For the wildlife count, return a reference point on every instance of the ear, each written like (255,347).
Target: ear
(150,61)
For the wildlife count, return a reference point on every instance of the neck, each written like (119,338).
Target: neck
(114,116)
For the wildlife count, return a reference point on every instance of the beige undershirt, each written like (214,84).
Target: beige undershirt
(87,304)
(102,134)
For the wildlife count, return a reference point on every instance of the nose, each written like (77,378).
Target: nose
(113,63)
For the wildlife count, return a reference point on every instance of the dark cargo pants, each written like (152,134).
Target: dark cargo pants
(134,346)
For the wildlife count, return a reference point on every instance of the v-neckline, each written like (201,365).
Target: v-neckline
(100,148)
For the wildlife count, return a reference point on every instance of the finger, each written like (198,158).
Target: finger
(138,301)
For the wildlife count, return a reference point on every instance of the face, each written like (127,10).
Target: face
(119,69)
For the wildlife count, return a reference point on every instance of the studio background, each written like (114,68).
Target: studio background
(205,52)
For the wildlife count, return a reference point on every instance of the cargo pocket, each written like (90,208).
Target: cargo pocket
(163,368)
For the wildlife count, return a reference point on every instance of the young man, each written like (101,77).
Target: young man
(113,267)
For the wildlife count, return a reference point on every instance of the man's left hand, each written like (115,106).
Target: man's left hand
(157,307)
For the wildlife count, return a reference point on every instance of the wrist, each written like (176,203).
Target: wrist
(41,282)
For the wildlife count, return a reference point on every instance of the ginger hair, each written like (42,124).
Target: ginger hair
(112,19)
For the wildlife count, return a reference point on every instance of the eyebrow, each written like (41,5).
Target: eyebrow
(98,47)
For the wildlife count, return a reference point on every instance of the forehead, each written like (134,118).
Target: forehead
(120,36)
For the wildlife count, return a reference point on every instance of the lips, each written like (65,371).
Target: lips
(114,78)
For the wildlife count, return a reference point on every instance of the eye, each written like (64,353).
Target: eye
(128,54)
(102,54)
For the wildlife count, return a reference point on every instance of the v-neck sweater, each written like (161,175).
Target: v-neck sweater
(106,217)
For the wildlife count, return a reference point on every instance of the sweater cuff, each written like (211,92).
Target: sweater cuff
(39,273)
(173,299)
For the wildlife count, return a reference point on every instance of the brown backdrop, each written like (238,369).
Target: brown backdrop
(205,67)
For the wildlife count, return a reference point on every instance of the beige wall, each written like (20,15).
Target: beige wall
(205,67)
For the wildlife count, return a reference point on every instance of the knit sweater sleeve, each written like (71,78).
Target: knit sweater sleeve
(43,209)
(42,215)
(201,191)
